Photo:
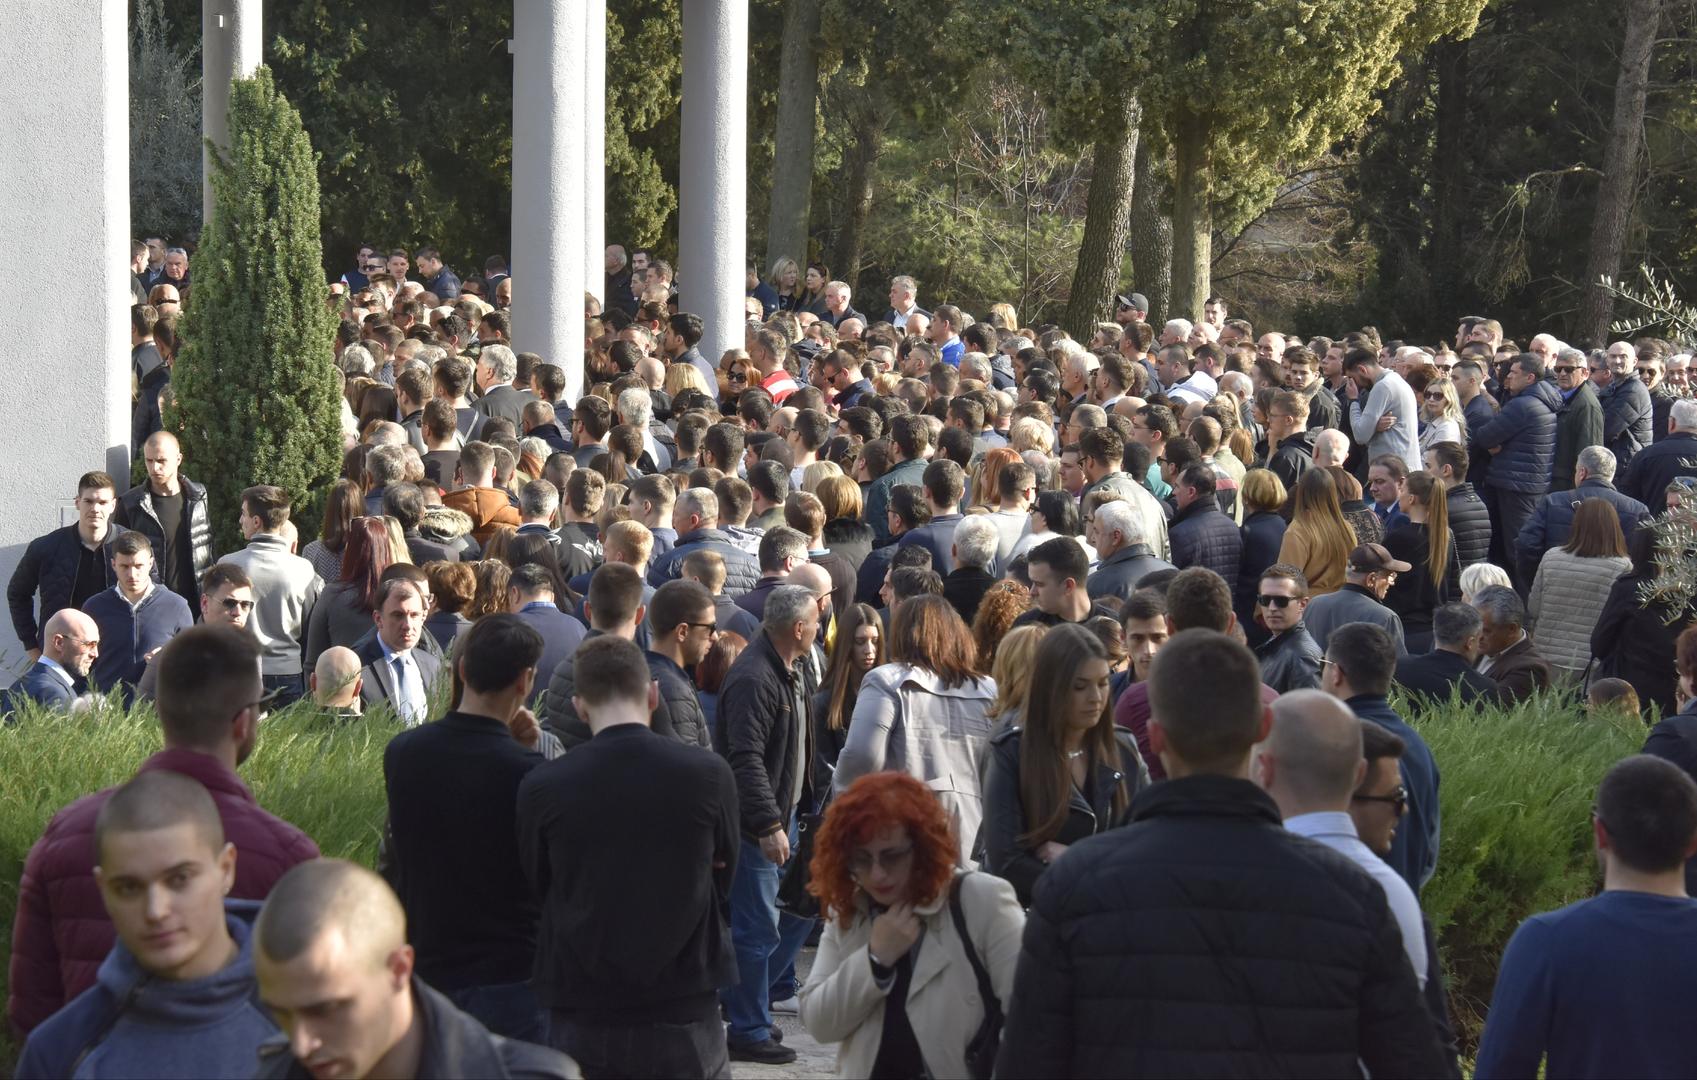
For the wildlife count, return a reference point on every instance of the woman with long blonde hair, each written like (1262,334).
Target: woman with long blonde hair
(1426,543)
(1441,418)
(1319,539)
(785,279)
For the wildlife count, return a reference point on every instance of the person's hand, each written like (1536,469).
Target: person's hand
(1050,851)
(525,729)
(1385,422)
(1350,390)
(151,653)
(776,847)
(893,934)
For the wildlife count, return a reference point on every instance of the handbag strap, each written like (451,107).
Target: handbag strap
(992,1006)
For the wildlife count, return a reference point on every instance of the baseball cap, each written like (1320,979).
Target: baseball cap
(1136,301)
(1371,557)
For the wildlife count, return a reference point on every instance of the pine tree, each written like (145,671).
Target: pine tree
(256,393)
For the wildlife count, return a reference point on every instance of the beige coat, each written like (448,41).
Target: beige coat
(841,1002)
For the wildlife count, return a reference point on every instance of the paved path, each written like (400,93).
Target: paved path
(814,1062)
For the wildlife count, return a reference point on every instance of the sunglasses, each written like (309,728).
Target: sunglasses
(1434,395)
(1565,369)
(737,376)
(1397,799)
(230,603)
(1280,602)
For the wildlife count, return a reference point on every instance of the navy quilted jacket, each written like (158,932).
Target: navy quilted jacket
(1202,536)
(1526,430)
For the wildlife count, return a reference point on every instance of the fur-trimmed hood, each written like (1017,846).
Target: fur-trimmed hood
(444,524)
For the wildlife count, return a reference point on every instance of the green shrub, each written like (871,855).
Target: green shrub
(1516,793)
(325,777)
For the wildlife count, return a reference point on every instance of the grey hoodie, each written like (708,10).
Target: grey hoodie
(131,1024)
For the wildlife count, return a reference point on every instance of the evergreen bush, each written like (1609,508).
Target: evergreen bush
(256,394)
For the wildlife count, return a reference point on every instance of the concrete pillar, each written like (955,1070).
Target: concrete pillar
(548,189)
(713,178)
(231,42)
(64,189)
(595,147)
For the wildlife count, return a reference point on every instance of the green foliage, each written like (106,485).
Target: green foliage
(644,92)
(256,396)
(1516,794)
(165,192)
(326,777)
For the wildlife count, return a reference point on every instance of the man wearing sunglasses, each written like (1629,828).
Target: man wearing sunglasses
(1579,421)
(1360,660)
(211,702)
(1290,660)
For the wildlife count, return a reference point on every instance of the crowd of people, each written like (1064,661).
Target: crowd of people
(1067,693)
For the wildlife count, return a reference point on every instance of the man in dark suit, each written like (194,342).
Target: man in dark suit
(974,554)
(530,595)
(1510,659)
(497,367)
(944,483)
(70,642)
(396,672)
(1448,668)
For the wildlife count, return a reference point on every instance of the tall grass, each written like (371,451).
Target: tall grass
(1516,795)
(323,775)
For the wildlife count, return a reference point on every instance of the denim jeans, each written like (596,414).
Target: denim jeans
(293,688)
(506,1009)
(766,945)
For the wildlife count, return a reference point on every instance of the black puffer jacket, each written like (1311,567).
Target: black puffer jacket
(1660,465)
(1470,524)
(679,711)
(1627,418)
(1202,536)
(1089,812)
(135,511)
(742,570)
(49,564)
(1294,457)
(557,714)
(1203,939)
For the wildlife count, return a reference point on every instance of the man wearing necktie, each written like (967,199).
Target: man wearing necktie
(396,673)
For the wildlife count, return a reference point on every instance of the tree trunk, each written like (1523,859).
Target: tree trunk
(1620,170)
(792,153)
(861,171)
(1107,221)
(1193,215)
(1151,231)
(1444,264)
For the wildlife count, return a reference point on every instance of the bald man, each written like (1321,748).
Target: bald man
(335,970)
(1311,764)
(335,682)
(817,580)
(171,511)
(1331,447)
(70,643)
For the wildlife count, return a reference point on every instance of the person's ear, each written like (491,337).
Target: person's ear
(227,867)
(1265,724)
(1600,834)
(400,965)
(312,682)
(653,694)
(1360,774)
(641,613)
(527,681)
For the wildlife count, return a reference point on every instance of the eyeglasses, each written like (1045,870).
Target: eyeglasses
(1280,602)
(230,603)
(1397,799)
(890,859)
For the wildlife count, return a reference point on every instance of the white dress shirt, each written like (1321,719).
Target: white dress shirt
(1336,830)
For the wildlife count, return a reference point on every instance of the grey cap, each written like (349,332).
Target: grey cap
(1136,302)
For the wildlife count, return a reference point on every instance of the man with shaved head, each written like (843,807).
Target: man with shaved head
(171,511)
(335,970)
(176,995)
(70,644)
(335,682)
(1311,764)
(210,703)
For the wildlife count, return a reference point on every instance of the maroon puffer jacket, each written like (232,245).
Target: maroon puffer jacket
(62,933)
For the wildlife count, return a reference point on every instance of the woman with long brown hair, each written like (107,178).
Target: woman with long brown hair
(859,648)
(342,614)
(1319,539)
(926,712)
(1573,583)
(346,502)
(1012,669)
(884,870)
(1065,772)
(1426,544)
(491,595)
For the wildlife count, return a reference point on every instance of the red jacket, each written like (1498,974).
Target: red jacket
(62,933)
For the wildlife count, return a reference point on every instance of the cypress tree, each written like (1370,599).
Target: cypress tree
(256,393)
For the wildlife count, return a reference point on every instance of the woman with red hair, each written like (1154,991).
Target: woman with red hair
(893,982)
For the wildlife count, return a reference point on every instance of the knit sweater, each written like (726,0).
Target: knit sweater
(1567,598)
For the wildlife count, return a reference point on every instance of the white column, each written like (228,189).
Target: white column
(548,188)
(712,187)
(595,147)
(231,42)
(65,189)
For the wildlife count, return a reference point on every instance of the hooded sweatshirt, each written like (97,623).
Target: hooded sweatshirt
(131,1024)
